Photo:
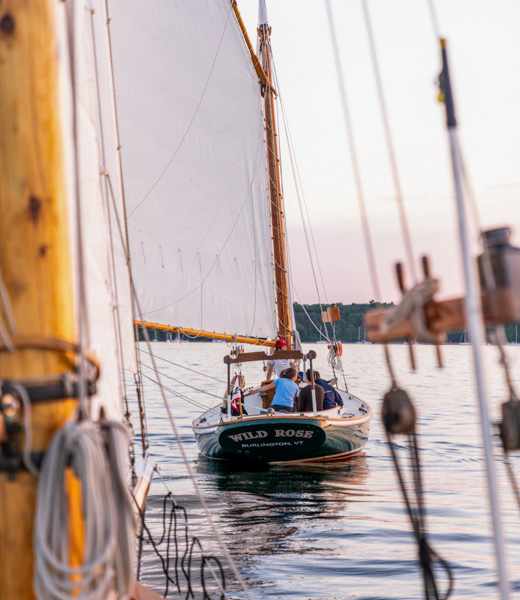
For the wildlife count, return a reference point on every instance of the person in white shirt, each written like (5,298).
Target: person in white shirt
(279,364)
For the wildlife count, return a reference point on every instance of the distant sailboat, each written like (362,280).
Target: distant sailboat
(516,342)
(463,339)
(364,340)
(322,339)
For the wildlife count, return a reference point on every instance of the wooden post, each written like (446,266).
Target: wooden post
(35,261)
(277,218)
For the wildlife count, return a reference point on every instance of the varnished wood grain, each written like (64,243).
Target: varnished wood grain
(35,261)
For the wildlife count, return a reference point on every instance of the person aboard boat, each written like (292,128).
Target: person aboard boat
(305,397)
(332,397)
(286,390)
(280,364)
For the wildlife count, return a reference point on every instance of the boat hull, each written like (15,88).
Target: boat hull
(282,439)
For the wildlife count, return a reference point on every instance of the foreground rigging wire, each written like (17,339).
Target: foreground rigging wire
(417,514)
(183,565)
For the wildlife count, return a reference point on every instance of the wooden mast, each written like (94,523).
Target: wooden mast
(277,216)
(35,258)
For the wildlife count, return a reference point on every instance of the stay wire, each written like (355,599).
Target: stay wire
(417,516)
(186,368)
(367,236)
(353,154)
(301,200)
(82,333)
(175,393)
(185,384)
(105,186)
(391,151)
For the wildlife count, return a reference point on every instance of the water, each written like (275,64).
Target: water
(340,531)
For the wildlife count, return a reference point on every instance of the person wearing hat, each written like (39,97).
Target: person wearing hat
(280,364)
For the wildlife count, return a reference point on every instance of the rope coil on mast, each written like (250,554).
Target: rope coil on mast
(109,524)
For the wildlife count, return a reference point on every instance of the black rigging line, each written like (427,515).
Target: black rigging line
(171,559)
(185,367)
(417,514)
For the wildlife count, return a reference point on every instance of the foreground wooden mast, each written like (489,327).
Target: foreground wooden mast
(277,215)
(35,262)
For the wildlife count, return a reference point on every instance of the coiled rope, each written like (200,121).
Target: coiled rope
(97,456)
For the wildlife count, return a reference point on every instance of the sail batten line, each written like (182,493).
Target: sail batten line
(226,337)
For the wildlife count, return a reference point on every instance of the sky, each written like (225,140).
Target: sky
(484,51)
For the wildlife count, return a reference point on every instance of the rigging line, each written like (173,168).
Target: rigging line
(187,368)
(83,329)
(299,189)
(120,162)
(435,22)
(189,468)
(178,394)
(185,520)
(309,317)
(139,384)
(353,155)
(104,185)
(185,384)
(124,241)
(230,7)
(470,193)
(390,144)
(141,403)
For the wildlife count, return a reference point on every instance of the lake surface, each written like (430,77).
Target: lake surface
(339,530)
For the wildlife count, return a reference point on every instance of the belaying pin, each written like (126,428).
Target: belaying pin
(398,412)
(425,261)
(400,281)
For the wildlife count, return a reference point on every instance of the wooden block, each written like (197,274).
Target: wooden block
(334,313)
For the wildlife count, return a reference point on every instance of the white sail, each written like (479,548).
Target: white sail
(195,166)
(109,332)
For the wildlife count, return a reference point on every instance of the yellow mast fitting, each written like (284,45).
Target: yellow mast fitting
(277,218)
(35,262)
(240,339)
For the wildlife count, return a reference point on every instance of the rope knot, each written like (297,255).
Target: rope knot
(412,307)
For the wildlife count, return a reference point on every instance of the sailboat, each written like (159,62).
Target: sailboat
(464,339)
(364,340)
(322,339)
(205,211)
